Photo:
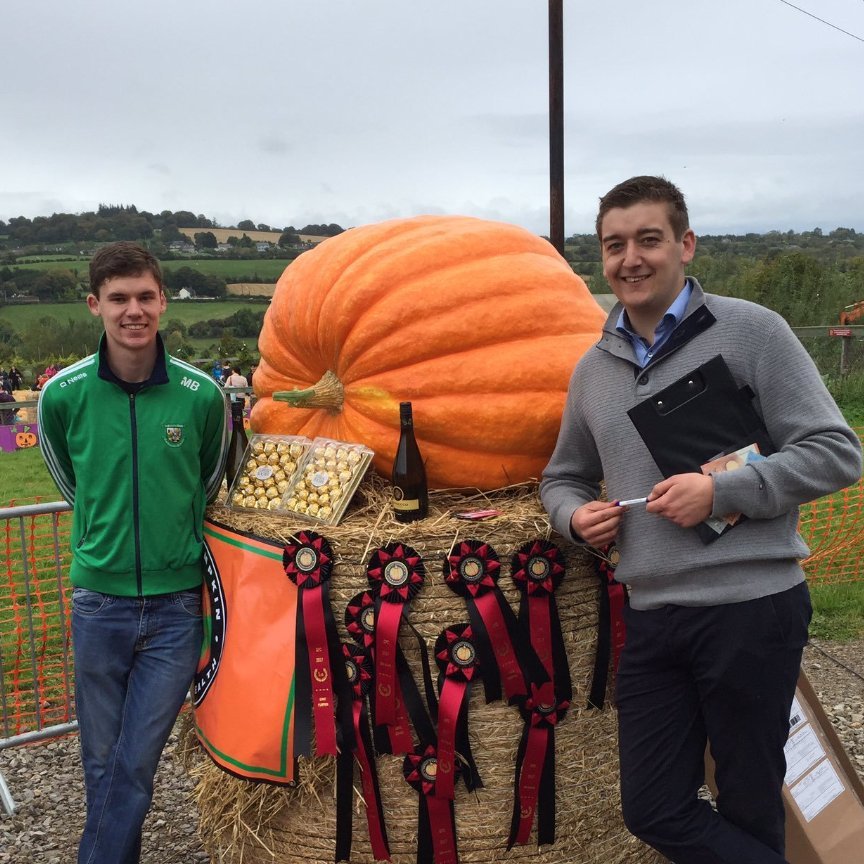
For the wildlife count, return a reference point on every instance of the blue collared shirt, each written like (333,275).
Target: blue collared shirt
(643,351)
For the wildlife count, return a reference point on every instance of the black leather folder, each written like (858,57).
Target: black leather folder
(702,415)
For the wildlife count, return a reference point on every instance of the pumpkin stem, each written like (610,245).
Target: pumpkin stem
(326,393)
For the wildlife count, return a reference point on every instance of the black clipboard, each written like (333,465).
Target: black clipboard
(702,415)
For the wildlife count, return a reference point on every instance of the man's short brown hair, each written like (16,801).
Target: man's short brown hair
(637,190)
(122,259)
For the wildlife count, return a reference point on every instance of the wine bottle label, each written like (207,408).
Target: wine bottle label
(406,504)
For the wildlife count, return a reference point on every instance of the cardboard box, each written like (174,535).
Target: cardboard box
(823,794)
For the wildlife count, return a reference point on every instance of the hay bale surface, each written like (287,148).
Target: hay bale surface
(252,823)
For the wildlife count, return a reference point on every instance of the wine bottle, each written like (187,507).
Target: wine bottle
(410,494)
(237,442)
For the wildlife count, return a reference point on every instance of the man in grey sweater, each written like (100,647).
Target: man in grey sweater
(715,632)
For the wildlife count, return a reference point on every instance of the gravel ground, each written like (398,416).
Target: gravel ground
(45,779)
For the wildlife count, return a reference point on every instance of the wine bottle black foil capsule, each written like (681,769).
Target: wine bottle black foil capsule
(410,492)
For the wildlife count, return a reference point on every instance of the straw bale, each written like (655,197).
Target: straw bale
(252,823)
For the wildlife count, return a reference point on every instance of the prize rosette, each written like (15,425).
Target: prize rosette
(308,563)
(358,672)
(360,624)
(456,655)
(395,573)
(537,568)
(534,789)
(436,820)
(472,569)
(360,619)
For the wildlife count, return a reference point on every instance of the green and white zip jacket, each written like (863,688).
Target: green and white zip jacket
(138,463)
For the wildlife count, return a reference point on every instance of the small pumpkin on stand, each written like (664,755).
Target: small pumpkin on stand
(477,323)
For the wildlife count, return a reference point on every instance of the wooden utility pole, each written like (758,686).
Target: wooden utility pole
(556,124)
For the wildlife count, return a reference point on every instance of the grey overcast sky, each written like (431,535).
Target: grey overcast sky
(353,111)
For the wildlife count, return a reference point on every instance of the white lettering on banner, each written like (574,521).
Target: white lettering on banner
(191,383)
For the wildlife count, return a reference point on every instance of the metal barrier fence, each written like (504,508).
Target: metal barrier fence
(35,661)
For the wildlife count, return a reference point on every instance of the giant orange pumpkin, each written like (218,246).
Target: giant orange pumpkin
(479,324)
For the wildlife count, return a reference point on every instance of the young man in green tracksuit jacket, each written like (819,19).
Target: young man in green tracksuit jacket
(135,440)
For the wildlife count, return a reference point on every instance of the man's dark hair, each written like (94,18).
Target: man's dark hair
(122,259)
(637,190)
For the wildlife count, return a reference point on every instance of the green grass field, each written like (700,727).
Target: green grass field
(229,269)
(187,311)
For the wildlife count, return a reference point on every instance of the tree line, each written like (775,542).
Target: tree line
(111,222)
(50,339)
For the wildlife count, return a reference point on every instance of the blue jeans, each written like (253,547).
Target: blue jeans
(134,662)
(720,673)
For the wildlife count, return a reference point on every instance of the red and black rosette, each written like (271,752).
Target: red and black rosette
(395,573)
(358,672)
(436,822)
(308,562)
(534,789)
(360,619)
(611,632)
(360,624)
(537,568)
(456,655)
(472,569)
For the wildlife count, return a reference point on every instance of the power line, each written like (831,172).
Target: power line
(822,20)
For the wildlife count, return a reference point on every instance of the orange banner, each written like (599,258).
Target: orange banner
(244,687)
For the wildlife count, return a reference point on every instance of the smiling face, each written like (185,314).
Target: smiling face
(643,262)
(130,307)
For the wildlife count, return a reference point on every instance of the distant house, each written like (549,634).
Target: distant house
(185,294)
(263,247)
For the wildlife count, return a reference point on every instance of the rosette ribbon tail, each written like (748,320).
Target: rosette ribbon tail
(371,788)
(441,819)
(611,632)
(321,670)
(449,711)
(359,676)
(530,762)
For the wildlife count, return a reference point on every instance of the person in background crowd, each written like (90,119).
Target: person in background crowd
(235,379)
(136,440)
(715,632)
(8,416)
(5,382)
(16,378)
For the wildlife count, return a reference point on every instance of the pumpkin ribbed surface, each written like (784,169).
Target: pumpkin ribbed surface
(479,324)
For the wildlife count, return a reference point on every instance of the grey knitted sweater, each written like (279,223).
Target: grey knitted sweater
(817,453)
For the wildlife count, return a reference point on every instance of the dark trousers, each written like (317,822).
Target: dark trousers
(721,673)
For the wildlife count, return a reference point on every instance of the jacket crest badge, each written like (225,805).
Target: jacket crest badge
(173,436)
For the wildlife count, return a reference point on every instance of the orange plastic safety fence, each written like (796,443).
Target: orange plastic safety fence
(35,660)
(833,528)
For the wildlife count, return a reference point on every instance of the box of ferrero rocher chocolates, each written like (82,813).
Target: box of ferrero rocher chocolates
(289,474)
